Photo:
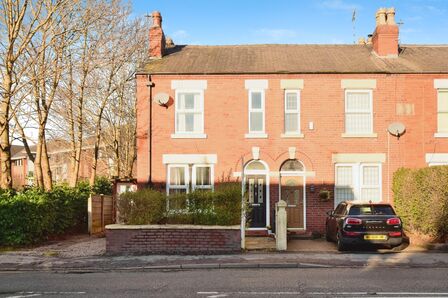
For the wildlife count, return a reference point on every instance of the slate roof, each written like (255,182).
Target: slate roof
(19,152)
(281,58)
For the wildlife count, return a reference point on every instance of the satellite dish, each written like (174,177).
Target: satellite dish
(162,98)
(396,129)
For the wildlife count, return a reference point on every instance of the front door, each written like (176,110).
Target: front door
(292,193)
(256,191)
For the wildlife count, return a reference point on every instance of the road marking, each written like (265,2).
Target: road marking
(385,294)
(314,265)
(332,294)
(35,294)
(22,296)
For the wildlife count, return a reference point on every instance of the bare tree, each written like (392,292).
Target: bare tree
(21,20)
(123,50)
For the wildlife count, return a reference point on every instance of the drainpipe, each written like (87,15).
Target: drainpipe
(150,84)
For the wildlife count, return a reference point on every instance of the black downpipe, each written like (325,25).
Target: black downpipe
(150,85)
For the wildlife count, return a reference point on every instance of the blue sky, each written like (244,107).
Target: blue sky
(217,22)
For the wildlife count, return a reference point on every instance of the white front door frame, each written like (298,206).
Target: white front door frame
(264,172)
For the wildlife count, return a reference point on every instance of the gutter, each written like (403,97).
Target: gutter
(286,72)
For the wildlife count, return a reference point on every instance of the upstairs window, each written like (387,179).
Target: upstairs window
(358,112)
(189,112)
(256,111)
(442,111)
(292,112)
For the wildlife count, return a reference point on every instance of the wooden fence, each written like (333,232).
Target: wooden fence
(101,210)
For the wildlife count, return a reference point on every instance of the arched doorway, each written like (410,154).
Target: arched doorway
(292,191)
(256,181)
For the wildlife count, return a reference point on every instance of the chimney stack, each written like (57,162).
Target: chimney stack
(156,37)
(385,37)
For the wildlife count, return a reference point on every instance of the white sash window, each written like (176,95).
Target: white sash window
(189,112)
(442,111)
(358,112)
(292,112)
(358,181)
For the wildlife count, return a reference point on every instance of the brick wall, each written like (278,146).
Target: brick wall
(174,240)
(322,102)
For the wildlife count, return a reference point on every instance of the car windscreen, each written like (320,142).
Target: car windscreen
(371,210)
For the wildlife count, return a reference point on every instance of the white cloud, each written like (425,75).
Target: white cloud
(339,5)
(409,30)
(275,33)
(180,34)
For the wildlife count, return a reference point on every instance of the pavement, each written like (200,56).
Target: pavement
(86,254)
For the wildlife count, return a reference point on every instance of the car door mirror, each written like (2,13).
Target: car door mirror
(330,212)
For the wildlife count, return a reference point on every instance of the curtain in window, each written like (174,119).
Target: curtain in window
(177,176)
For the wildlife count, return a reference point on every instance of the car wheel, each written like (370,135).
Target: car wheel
(327,235)
(339,242)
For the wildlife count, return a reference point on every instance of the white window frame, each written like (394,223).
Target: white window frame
(361,177)
(357,179)
(297,111)
(439,131)
(199,133)
(262,109)
(370,92)
(193,177)
(186,186)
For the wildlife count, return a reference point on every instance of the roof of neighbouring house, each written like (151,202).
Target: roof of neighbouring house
(282,58)
(19,152)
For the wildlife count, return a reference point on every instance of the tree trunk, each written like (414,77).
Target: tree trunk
(96,149)
(5,146)
(38,173)
(46,170)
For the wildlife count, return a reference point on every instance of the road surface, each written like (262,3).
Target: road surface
(325,282)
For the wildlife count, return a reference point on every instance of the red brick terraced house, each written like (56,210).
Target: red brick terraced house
(291,121)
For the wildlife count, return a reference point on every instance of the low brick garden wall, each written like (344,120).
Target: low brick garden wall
(172,239)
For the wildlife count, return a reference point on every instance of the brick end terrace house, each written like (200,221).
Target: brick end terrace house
(291,120)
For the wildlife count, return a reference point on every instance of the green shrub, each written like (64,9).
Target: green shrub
(221,207)
(145,206)
(32,216)
(421,199)
(102,185)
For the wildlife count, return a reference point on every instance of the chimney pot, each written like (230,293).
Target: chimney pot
(381,16)
(156,19)
(391,16)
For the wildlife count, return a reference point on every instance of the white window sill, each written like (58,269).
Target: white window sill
(441,135)
(292,135)
(256,135)
(188,136)
(366,135)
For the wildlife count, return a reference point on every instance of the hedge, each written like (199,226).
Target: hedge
(147,206)
(32,216)
(421,199)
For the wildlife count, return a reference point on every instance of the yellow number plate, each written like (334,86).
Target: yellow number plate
(375,237)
